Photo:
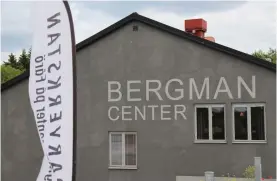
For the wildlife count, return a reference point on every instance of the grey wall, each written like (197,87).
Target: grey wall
(192,178)
(165,148)
(21,153)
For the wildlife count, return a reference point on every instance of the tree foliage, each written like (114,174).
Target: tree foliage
(29,54)
(8,72)
(13,67)
(270,55)
(24,60)
(12,61)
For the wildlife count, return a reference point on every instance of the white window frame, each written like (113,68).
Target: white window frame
(248,105)
(209,106)
(123,166)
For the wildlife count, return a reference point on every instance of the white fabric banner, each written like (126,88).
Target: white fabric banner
(51,87)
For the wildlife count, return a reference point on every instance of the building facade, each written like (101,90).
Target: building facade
(153,103)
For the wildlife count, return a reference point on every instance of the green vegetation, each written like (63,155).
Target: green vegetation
(249,172)
(13,67)
(270,55)
(8,72)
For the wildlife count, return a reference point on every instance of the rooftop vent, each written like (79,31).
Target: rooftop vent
(197,27)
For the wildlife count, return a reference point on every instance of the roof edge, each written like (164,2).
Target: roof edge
(136,17)
(213,45)
(110,29)
(15,80)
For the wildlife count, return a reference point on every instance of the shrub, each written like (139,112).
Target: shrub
(249,172)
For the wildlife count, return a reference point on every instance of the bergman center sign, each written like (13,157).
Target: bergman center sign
(140,96)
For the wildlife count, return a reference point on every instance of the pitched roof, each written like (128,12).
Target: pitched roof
(182,34)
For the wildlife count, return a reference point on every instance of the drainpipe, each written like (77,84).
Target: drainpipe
(258,168)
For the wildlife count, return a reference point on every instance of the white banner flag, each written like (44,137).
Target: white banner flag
(52,88)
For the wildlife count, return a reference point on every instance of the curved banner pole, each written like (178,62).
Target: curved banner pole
(52,89)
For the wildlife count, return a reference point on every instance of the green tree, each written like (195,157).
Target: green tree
(12,68)
(270,55)
(24,60)
(12,61)
(8,72)
(29,54)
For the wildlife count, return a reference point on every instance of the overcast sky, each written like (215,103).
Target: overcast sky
(245,26)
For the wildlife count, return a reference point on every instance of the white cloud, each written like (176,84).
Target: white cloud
(247,28)
(15,18)
(88,22)
(15,24)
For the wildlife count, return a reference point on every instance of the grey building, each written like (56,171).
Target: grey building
(154,102)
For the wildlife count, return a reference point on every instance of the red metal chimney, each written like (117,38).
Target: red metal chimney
(197,27)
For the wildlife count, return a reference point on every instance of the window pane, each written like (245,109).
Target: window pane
(116,149)
(257,123)
(240,123)
(202,123)
(130,149)
(218,123)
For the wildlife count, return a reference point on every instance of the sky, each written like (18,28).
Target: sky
(246,26)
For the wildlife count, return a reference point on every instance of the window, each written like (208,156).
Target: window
(210,123)
(123,150)
(249,122)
